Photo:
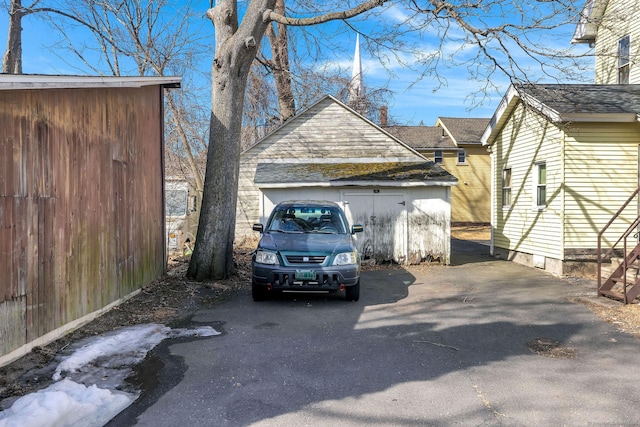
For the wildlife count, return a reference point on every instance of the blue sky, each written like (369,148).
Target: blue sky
(415,100)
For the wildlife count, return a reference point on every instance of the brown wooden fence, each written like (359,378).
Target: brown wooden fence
(81,204)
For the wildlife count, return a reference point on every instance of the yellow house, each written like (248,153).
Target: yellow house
(565,158)
(613,27)
(455,144)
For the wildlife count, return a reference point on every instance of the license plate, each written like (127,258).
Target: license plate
(305,275)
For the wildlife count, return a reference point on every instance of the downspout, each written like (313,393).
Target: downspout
(563,141)
(493,197)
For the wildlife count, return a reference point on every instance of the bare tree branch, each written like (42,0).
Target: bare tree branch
(271,15)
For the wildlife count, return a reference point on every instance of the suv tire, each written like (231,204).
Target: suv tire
(259,293)
(352,293)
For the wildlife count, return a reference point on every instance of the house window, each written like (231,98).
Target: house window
(506,187)
(541,185)
(623,59)
(437,156)
(462,157)
(176,202)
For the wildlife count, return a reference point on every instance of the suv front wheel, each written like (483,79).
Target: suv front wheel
(352,293)
(259,293)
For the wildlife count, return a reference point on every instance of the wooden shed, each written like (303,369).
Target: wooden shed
(81,200)
(330,152)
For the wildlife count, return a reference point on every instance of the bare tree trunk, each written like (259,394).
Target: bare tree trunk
(236,48)
(279,40)
(12,59)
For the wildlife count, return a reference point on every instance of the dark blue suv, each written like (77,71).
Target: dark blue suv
(306,246)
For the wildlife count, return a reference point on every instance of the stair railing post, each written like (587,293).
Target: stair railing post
(624,269)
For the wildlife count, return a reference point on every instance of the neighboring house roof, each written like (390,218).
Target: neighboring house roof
(590,18)
(448,134)
(422,137)
(40,81)
(405,174)
(570,100)
(562,103)
(464,130)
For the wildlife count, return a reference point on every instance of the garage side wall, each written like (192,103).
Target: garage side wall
(81,205)
(429,226)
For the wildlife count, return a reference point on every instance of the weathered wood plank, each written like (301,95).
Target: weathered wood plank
(79,233)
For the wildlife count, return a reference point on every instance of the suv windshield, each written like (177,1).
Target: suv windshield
(307,219)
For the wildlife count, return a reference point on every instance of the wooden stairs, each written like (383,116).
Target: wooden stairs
(623,275)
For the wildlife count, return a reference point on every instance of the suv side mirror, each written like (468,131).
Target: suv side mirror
(258,227)
(356,228)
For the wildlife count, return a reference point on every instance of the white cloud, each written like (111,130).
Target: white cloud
(396,14)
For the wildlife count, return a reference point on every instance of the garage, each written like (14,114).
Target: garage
(384,218)
(330,152)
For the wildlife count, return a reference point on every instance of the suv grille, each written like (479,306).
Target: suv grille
(300,259)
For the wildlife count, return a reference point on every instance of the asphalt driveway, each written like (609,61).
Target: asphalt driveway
(480,342)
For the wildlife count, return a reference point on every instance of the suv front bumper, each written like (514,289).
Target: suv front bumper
(326,279)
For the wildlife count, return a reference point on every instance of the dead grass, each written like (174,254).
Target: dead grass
(471,232)
(626,318)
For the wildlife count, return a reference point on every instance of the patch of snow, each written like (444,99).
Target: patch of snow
(105,360)
(66,403)
(123,347)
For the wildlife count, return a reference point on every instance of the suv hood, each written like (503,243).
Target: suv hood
(307,242)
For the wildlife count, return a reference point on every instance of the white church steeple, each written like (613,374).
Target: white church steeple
(356,86)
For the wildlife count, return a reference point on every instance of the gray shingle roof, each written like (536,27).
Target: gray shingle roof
(332,173)
(585,99)
(465,130)
(422,137)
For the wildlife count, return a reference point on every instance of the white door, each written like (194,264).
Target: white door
(384,218)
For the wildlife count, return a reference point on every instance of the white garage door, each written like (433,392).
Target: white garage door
(384,218)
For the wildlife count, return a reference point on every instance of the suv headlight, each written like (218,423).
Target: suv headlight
(265,257)
(346,258)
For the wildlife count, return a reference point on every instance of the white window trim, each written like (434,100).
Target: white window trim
(510,205)
(536,184)
(441,157)
(461,150)
(620,65)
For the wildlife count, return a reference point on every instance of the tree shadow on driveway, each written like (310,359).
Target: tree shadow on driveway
(422,345)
